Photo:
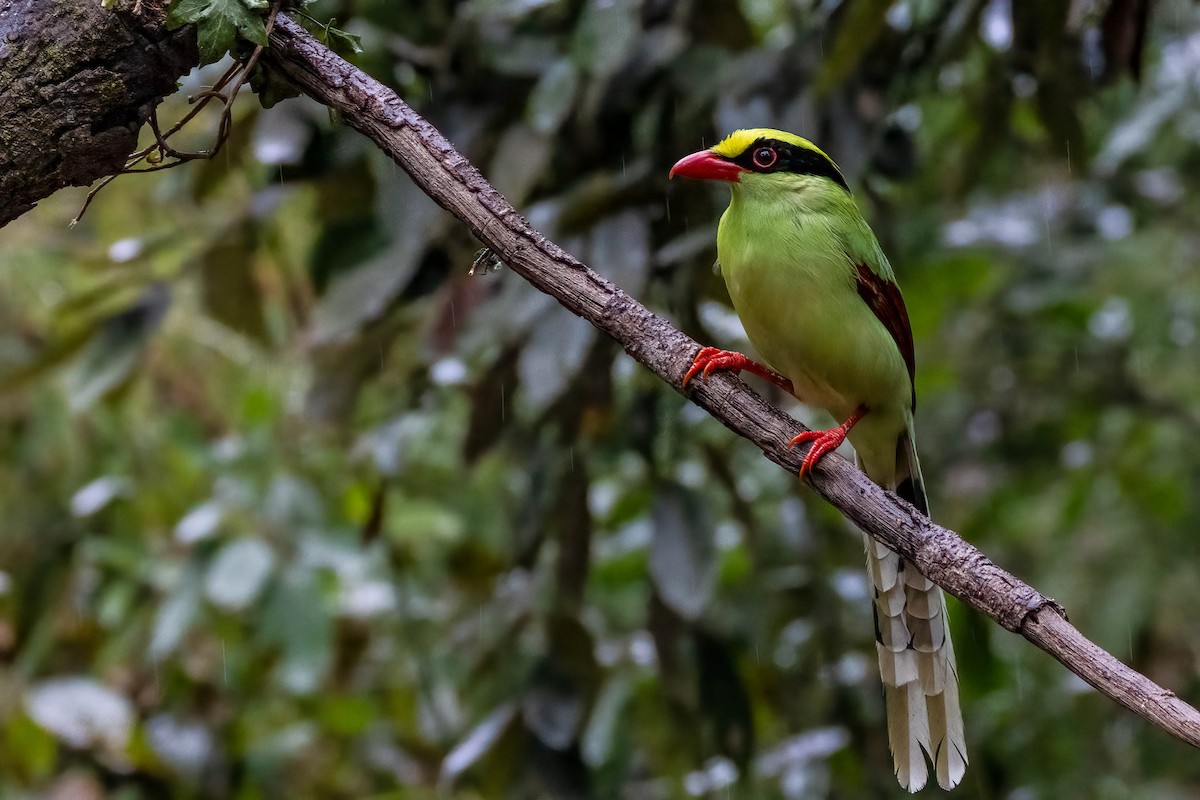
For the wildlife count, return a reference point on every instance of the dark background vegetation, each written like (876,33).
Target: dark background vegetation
(291,506)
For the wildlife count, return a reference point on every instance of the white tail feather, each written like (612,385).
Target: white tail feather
(920,683)
(908,733)
(916,656)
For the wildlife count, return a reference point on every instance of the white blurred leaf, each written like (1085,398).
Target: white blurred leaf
(98,494)
(603,725)
(291,499)
(81,712)
(683,560)
(367,600)
(519,162)
(619,249)
(551,100)
(362,294)
(551,359)
(175,616)
(553,712)
(476,744)
(200,523)
(238,573)
(184,745)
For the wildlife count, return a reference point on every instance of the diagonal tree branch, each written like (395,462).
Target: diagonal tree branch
(943,556)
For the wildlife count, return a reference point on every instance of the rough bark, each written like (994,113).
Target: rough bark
(77,81)
(941,554)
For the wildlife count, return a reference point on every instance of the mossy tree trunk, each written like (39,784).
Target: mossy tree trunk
(77,81)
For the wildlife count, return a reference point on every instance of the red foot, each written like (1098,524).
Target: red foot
(713,358)
(824,441)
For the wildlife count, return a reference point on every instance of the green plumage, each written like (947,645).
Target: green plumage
(789,246)
(818,300)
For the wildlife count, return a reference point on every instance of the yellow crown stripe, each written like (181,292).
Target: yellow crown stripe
(736,143)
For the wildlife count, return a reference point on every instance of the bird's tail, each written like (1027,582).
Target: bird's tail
(916,657)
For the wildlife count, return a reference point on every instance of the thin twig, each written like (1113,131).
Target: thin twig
(160,148)
(957,566)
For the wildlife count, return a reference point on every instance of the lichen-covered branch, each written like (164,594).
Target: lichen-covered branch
(939,553)
(77,81)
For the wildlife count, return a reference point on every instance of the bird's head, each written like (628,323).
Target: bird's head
(764,158)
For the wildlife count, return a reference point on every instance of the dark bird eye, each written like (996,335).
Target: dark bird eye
(764,157)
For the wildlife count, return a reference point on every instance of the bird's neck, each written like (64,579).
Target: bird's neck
(792,197)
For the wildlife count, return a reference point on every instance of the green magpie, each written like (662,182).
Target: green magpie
(820,305)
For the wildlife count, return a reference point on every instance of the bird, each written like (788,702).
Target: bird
(820,305)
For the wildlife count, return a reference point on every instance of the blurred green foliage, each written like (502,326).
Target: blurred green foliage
(293,507)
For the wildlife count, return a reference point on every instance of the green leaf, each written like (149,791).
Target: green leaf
(230,290)
(297,619)
(219,24)
(339,41)
(34,759)
(342,42)
(270,86)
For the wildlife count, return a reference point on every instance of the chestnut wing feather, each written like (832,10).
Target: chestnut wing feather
(884,299)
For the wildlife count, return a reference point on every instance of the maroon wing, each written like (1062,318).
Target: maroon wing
(883,297)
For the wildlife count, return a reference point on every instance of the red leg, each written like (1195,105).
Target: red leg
(825,441)
(711,358)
